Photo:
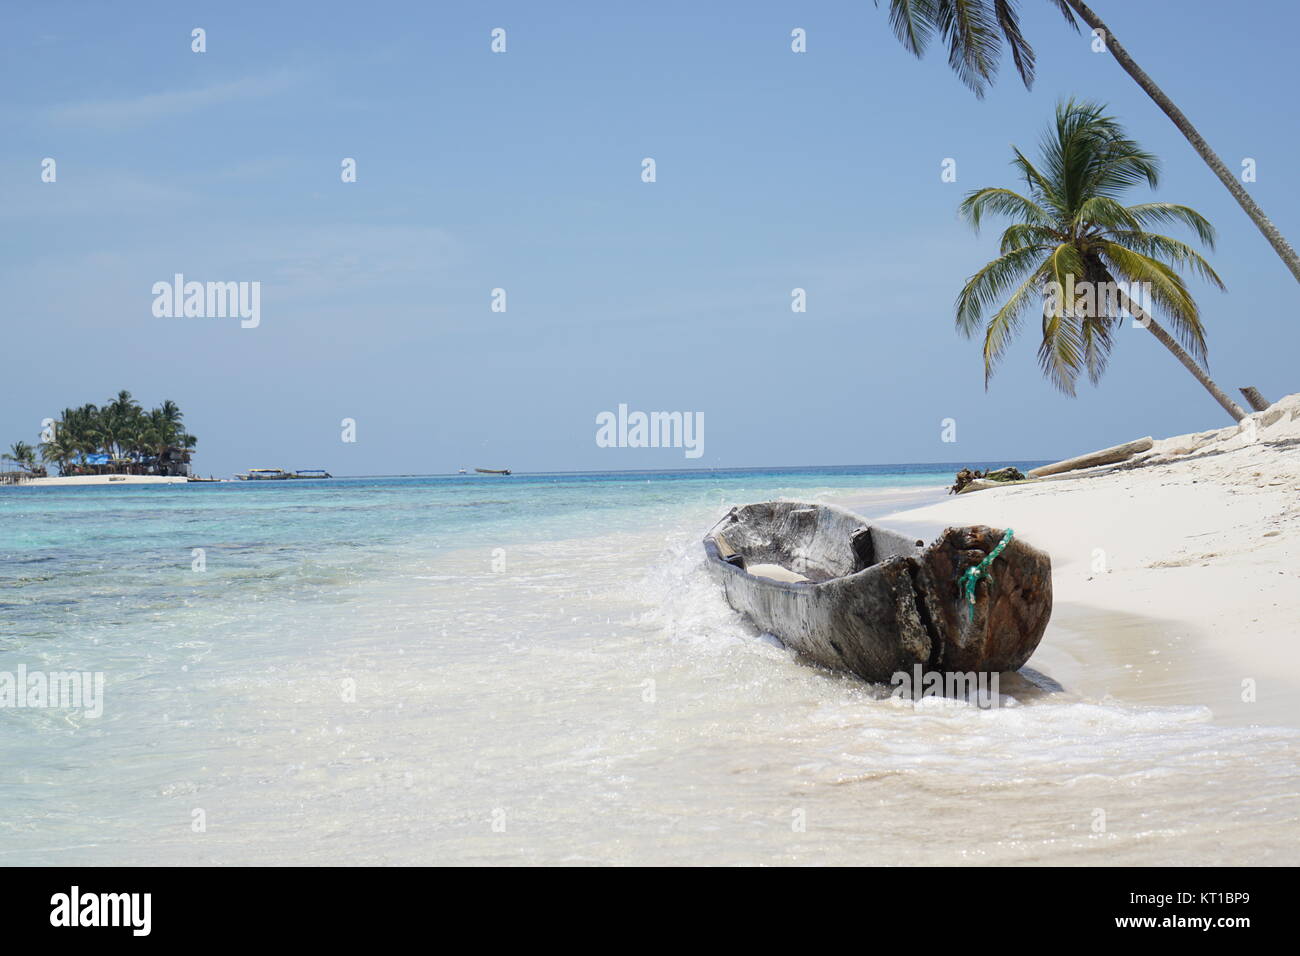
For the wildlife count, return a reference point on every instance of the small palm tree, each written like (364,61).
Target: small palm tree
(61,449)
(22,455)
(1077,249)
(170,412)
(974,31)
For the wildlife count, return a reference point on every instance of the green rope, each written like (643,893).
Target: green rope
(971,576)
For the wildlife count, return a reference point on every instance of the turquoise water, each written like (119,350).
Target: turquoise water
(69,556)
(534,669)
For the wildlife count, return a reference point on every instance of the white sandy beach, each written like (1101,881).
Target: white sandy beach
(104,480)
(1175,581)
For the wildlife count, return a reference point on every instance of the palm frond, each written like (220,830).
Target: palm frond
(1022,54)
(1098,340)
(1042,189)
(970,30)
(1066,12)
(1103,212)
(1169,250)
(1122,166)
(983,290)
(1060,352)
(1163,213)
(913,22)
(1005,323)
(1024,235)
(1167,292)
(1002,202)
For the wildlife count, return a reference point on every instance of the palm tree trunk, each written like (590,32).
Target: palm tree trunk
(1180,353)
(1265,225)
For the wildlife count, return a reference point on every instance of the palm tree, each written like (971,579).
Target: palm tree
(974,31)
(170,412)
(22,455)
(1075,247)
(121,424)
(62,448)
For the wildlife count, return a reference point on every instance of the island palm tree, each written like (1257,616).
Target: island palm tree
(62,449)
(121,423)
(1089,259)
(170,412)
(21,454)
(974,31)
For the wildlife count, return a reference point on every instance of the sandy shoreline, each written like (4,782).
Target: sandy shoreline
(101,480)
(1176,582)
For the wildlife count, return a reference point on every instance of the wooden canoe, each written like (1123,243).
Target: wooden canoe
(875,602)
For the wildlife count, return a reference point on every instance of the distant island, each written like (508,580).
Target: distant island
(117,438)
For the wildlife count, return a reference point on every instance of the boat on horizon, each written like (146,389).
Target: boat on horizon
(877,603)
(493,471)
(265,474)
(281,474)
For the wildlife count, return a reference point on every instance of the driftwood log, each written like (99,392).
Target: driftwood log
(1107,456)
(969,476)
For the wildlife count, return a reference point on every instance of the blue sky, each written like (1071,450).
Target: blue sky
(522,171)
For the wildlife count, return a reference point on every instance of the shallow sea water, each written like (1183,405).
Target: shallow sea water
(536,670)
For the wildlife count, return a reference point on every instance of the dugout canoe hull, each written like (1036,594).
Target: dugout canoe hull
(876,602)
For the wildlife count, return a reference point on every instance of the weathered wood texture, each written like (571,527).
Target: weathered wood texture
(981,484)
(1253,397)
(1106,456)
(1003,628)
(876,602)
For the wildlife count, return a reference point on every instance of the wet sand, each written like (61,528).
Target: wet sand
(1176,583)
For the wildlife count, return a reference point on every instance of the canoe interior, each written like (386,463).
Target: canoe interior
(873,600)
(815,541)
